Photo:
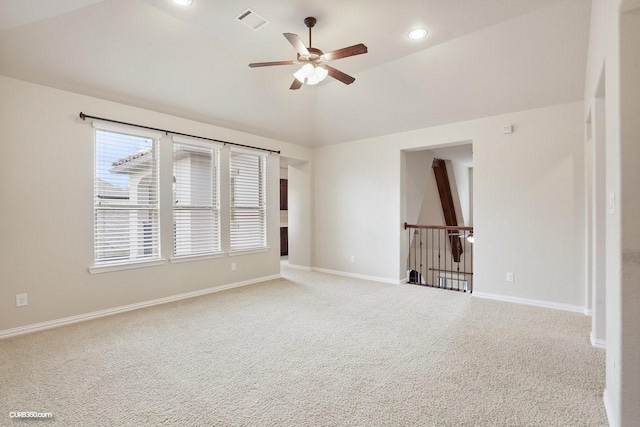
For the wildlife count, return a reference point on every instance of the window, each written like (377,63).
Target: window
(196,207)
(248,207)
(126,221)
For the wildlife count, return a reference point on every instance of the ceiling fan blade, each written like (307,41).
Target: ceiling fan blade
(268,64)
(339,75)
(297,84)
(297,43)
(356,49)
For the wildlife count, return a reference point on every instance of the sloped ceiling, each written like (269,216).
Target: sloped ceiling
(482,57)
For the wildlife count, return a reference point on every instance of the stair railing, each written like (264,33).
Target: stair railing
(440,256)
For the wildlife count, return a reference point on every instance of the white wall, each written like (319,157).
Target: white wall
(598,218)
(528,203)
(614,51)
(46,206)
(420,192)
(357,208)
(461,178)
(630,213)
(589,160)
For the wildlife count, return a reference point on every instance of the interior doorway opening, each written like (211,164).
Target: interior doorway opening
(437,198)
(295,212)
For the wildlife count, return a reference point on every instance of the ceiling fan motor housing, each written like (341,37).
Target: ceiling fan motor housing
(314,55)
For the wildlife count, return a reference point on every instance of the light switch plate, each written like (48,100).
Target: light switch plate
(612,203)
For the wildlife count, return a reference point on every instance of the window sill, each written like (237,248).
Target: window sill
(128,266)
(190,258)
(249,251)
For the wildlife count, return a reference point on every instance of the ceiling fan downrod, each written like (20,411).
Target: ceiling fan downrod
(310,22)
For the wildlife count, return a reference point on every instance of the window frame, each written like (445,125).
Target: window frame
(127,263)
(262,206)
(215,207)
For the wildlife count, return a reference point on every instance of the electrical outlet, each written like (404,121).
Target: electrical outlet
(353,259)
(509,277)
(21,300)
(233,266)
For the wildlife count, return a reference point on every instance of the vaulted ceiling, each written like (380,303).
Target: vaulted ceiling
(481,58)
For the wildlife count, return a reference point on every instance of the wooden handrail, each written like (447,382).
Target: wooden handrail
(437,227)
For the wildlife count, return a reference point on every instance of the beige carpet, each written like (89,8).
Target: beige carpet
(312,350)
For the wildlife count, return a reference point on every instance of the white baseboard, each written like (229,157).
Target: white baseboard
(597,342)
(357,276)
(607,409)
(21,330)
(299,267)
(588,312)
(533,302)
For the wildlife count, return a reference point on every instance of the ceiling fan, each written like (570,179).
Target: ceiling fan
(314,68)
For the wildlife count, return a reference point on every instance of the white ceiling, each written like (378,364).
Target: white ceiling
(482,57)
(462,154)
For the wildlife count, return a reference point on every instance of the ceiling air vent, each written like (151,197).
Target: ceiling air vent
(252,20)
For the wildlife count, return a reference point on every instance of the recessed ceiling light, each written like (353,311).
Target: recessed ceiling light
(183,2)
(418,33)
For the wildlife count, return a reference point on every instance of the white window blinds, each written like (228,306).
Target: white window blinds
(247,172)
(126,220)
(196,208)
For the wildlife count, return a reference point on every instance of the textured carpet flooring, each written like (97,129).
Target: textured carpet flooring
(312,350)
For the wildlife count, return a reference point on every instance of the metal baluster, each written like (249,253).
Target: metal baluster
(459,256)
(450,267)
(447,254)
(419,276)
(433,255)
(409,254)
(464,261)
(439,256)
(426,260)
(471,276)
(415,250)
(443,272)
(459,246)
(451,259)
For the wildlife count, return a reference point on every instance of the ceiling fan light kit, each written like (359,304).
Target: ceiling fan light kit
(312,74)
(314,68)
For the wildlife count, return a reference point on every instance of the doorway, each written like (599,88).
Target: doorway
(437,246)
(295,213)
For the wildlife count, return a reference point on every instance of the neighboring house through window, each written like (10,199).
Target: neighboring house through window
(126,217)
(247,170)
(196,206)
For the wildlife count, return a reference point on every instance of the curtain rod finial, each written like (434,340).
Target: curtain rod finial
(82,116)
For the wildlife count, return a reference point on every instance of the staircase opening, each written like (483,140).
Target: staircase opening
(438,208)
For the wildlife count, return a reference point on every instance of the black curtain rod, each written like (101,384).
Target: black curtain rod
(84,116)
